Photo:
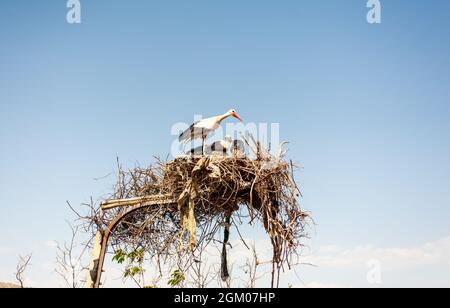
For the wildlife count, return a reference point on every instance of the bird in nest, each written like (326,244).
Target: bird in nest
(220,147)
(203,128)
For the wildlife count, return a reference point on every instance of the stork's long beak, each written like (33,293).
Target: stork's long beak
(237,117)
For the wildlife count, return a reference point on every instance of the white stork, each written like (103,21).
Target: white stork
(220,147)
(201,129)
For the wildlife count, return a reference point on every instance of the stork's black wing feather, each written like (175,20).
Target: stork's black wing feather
(218,147)
(190,133)
(196,151)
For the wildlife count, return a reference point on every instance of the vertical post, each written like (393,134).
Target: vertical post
(99,253)
(95,267)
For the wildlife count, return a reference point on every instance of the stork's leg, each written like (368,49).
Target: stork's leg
(203,141)
(203,145)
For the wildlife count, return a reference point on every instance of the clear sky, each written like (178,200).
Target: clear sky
(366,109)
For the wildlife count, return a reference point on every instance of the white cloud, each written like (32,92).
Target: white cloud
(356,262)
(337,266)
(432,253)
(51,244)
(331,249)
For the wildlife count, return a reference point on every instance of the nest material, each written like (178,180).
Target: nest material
(210,190)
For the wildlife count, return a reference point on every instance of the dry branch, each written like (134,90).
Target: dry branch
(22,266)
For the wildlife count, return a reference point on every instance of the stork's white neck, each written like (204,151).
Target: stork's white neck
(223,117)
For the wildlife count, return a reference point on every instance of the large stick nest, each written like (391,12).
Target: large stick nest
(207,190)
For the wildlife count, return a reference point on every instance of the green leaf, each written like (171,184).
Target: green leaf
(137,256)
(119,257)
(176,278)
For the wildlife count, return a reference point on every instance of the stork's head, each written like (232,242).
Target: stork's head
(233,113)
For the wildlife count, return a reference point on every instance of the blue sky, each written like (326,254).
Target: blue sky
(365,107)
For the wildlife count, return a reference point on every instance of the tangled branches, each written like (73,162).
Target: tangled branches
(199,196)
